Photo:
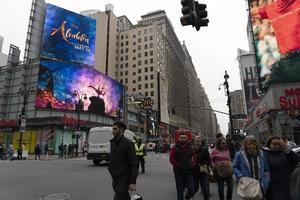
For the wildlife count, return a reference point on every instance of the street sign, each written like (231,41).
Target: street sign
(23,125)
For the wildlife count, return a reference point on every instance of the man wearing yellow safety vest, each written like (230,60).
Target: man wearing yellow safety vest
(140,152)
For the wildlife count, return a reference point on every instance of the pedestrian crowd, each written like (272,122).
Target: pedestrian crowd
(270,172)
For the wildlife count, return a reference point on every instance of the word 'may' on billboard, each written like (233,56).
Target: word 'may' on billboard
(68,36)
(276,27)
(62,85)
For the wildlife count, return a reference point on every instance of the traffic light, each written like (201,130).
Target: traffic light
(189,14)
(194,14)
(201,15)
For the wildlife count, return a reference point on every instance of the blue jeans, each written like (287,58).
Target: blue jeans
(121,187)
(184,181)
(204,183)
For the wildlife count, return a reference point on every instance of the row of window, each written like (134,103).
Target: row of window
(139,33)
(139,41)
(139,71)
(139,77)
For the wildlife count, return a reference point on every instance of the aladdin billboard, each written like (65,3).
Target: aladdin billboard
(61,85)
(68,36)
(276,27)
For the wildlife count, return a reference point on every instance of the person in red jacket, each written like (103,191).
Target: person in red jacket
(183,159)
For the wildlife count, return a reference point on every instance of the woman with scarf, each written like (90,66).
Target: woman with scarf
(250,162)
(282,162)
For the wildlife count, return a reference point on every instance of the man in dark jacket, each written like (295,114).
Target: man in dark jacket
(123,163)
(201,173)
(183,160)
(295,183)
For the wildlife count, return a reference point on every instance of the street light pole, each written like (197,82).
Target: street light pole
(79,107)
(226,86)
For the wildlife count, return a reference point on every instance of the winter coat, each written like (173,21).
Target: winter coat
(203,158)
(295,184)
(241,168)
(281,167)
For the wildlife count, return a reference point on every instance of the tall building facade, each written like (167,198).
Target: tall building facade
(238,108)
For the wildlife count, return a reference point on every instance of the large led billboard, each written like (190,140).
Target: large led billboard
(58,83)
(68,36)
(276,28)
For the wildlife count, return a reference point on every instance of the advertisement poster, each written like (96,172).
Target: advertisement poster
(276,26)
(61,85)
(68,36)
(28,139)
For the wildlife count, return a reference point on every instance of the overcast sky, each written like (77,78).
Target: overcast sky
(213,48)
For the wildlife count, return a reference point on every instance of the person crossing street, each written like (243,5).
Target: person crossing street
(140,152)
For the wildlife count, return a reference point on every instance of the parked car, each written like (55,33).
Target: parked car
(150,146)
(296,149)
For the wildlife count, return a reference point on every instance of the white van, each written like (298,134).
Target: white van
(99,143)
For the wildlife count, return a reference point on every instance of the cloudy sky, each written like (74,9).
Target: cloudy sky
(213,48)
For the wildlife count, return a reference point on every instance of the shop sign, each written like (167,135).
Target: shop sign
(290,98)
(8,123)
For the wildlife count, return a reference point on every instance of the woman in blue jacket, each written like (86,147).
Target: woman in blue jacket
(250,162)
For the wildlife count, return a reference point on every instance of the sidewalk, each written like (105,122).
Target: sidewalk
(53,157)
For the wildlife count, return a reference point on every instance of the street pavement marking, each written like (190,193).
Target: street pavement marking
(58,196)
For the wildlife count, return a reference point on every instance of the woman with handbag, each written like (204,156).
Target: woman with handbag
(201,171)
(222,167)
(282,161)
(251,170)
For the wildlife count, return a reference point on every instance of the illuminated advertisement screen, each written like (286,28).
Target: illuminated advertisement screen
(61,85)
(68,36)
(276,27)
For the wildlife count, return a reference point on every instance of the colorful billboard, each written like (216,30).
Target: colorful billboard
(68,36)
(61,85)
(276,26)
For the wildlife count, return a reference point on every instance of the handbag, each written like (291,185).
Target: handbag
(204,169)
(211,176)
(224,171)
(249,189)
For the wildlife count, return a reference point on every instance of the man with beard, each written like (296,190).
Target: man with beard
(183,159)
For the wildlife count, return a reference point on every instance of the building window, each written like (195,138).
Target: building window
(139,86)
(151,60)
(152,93)
(151,38)
(122,44)
(139,78)
(146,46)
(146,86)
(146,78)
(126,73)
(139,71)
(133,81)
(121,73)
(121,66)
(151,68)
(133,89)
(126,65)
(122,37)
(134,36)
(126,58)
(151,45)
(121,58)
(122,51)
(134,50)
(151,53)
(134,43)
(134,66)
(133,73)
(134,58)
(126,50)
(127,43)
(126,80)
(126,35)
(139,63)
(152,85)
(139,40)
(139,33)
(146,62)
(146,94)
(146,54)
(146,69)
(139,55)
(151,76)
(145,39)
(139,47)
(121,81)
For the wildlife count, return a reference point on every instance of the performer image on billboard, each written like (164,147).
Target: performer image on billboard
(284,33)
